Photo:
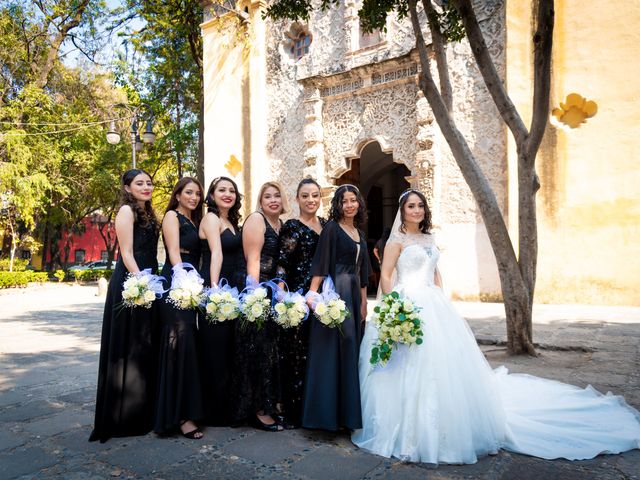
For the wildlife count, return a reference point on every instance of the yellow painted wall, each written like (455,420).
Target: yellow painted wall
(589,203)
(225,64)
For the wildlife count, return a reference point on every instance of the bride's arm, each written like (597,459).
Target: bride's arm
(389,259)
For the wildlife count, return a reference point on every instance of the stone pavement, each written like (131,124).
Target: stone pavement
(49,341)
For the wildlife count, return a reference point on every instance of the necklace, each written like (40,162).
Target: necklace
(351,231)
(277,230)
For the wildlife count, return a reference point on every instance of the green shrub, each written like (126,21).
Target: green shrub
(59,274)
(91,275)
(21,279)
(19,264)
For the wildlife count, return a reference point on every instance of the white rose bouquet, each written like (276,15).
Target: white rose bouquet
(290,309)
(398,322)
(222,302)
(327,306)
(255,303)
(141,289)
(186,287)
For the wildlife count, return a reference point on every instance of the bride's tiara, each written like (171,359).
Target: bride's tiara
(405,193)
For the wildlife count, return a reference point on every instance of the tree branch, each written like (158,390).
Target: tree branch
(488,70)
(439,48)
(542,45)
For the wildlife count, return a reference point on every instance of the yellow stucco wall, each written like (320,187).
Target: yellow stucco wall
(589,203)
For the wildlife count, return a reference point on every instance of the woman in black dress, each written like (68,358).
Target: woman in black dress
(257,380)
(127,370)
(179,391)
(222,258)
(332,388)
(298,240)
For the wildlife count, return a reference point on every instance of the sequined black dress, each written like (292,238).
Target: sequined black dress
(179,390)
(256,383)
(297,247)
(128,352)
(332,387)
(216,340)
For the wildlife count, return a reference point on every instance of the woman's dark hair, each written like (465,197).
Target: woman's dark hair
(173,203)
(425,225)
(143,216)
(306,181)
(336,214)
(234,212)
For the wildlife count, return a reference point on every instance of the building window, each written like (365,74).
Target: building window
(300,46)
(370,39)
(297,41)
(104,256)
(79,256)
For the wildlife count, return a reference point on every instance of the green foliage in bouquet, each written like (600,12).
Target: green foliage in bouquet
(398,322)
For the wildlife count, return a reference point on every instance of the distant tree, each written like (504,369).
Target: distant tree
(449,20)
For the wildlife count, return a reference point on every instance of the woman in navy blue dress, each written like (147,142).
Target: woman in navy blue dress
(222,258)
(332,387)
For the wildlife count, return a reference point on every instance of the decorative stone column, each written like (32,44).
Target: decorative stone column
(313,134)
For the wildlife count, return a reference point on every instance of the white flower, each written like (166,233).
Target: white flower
(149,296)
(256,309)
(334,313)
(280,308)
(321,309)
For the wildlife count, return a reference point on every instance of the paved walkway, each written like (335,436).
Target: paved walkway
(49,340)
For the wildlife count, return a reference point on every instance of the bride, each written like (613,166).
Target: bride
(440,402)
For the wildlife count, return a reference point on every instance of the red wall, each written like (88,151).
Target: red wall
(91,242)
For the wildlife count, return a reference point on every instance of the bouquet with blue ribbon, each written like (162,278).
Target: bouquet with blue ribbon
(327,306)
(141,289)
(290,308)
(222,302)
(187,290)
(254,302)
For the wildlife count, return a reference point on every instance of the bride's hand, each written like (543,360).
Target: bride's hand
(363,311)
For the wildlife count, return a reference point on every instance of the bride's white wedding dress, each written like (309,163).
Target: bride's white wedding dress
(441,402)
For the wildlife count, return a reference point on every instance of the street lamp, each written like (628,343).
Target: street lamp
(137,141)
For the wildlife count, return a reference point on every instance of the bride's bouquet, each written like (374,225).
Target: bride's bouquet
(222,302)
(327,306)
(255,303)
(186,287)
(141,289)
(398,322)
(290,309)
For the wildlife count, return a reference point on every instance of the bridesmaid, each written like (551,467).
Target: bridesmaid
(179,390)
(222,257)
(127,371)
(257,381)
(298,240)
(332,392)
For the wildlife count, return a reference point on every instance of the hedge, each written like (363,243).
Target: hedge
(19,264)
(90,275)
(21,279)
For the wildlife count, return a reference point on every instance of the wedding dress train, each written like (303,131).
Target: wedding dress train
(441,402)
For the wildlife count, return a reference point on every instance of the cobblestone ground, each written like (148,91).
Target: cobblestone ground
(49,340)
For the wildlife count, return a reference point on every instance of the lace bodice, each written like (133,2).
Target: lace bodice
(418,260)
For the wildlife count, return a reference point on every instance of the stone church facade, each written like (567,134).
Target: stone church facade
(285,100)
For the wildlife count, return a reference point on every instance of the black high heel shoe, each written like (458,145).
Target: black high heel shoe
(285,424)
(267,427)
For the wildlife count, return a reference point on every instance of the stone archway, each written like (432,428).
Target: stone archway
(380,180)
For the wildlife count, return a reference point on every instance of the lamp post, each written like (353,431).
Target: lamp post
(137,141)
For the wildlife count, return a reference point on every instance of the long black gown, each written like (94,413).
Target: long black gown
(256,383)
(179,390)
(297,246)
(332,388)
(128,352)
(216,340)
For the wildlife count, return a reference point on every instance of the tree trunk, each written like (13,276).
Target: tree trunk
(515,294)
(200,160)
